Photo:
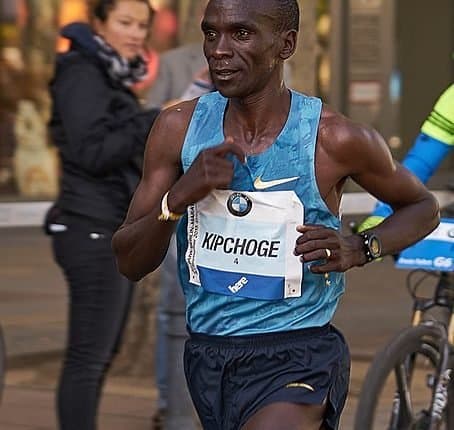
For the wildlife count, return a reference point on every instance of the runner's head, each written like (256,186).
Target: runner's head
(246,45)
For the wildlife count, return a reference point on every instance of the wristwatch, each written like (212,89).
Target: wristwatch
(371,245)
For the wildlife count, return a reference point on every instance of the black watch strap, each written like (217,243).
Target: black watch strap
(371,245)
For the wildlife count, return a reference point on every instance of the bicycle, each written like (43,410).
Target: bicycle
(410,381)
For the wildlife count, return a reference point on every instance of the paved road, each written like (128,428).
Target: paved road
(128,403)
(33,314)
(33,298)
(28,403)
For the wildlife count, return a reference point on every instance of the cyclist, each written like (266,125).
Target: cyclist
(432,145)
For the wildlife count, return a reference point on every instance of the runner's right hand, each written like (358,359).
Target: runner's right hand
(210,170)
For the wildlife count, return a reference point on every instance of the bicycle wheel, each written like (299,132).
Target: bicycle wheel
(397,391)
(2,363)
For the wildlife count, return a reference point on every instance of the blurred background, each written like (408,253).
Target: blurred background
(383,62)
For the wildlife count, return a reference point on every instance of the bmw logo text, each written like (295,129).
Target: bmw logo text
(239,204)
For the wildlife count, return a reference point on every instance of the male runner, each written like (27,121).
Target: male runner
(254,174)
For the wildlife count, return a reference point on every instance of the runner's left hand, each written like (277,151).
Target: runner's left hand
(319,243)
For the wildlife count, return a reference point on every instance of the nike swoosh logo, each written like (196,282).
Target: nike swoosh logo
(263,185)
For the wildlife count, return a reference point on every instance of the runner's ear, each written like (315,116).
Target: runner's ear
(289,38)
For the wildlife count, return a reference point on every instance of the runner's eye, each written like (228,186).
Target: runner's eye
(243,34)
(210,35)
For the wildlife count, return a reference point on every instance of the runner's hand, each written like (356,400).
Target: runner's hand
(210,170)
(314,243)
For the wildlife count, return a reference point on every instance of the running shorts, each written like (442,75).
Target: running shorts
(231,377)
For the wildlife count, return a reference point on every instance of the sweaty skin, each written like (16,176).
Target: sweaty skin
(343,149)
(245,63)
(245,54)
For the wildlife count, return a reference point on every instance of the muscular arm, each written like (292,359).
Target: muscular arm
(422,160)
(141,242)
(415,208)
(346,149)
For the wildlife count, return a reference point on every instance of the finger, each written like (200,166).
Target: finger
(304,246)
(315,236)
(323,268)
(230,147)
(316,255)
(304,228)
(223,177)
(318,239)
(236,149)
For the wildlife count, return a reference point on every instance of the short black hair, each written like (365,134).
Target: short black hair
(287,14)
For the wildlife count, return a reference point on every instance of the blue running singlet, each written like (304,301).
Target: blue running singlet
(235,247)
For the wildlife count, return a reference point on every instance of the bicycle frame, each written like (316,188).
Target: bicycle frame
(443,297)
(423,352)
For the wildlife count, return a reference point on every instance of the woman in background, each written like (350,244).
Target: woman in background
(100,130)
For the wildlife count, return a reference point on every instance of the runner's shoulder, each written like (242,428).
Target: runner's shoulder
(169,130)
(176,118)
(342,137)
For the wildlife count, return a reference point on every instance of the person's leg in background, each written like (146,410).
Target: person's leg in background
(99,303)
(174,404)
(169,286)
(161,352)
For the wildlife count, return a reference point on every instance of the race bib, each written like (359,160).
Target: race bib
(241,244)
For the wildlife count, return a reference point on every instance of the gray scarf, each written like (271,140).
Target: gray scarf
(120,70)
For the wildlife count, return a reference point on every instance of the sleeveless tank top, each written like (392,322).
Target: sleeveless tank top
(235,247)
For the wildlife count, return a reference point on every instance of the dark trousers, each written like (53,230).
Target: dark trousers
(99,301)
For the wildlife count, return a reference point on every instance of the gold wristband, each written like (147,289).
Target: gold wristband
(166,214)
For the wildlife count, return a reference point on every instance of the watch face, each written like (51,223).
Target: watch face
(374,246)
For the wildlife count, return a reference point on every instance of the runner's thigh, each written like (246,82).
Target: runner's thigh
(286,416)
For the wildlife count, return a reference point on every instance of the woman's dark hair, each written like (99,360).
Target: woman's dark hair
(101,8)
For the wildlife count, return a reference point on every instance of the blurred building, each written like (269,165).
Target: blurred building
(383,62)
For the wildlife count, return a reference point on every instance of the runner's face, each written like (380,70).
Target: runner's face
(126,27)
(241,46)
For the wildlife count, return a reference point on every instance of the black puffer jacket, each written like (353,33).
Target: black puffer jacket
(100,130)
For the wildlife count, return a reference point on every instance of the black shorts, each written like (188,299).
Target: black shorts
(231,378)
